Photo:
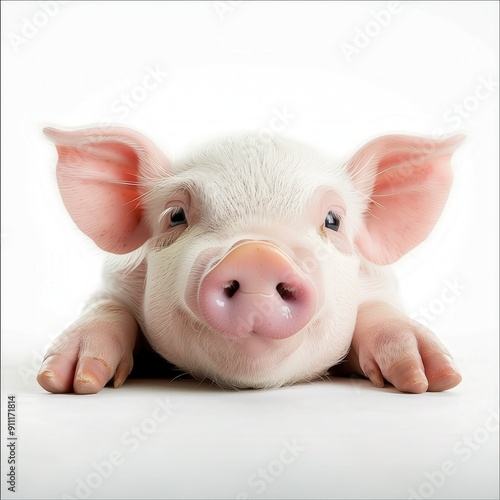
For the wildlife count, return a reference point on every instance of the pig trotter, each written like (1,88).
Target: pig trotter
(388,345)
(91,352)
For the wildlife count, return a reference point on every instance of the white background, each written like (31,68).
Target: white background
(227,66)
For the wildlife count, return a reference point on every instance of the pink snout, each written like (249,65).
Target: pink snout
(257,289)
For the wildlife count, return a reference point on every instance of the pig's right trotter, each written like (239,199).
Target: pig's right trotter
(91,351)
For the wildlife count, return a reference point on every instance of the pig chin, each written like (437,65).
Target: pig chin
(252,361)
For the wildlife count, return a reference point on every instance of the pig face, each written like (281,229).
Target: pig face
(252,269)
(247,261)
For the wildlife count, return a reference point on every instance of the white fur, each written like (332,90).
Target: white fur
(239,188)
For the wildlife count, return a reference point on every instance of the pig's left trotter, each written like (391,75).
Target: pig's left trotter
(387,345)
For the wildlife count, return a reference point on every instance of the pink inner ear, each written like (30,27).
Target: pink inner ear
(100,193)
(99,180)
(411,180)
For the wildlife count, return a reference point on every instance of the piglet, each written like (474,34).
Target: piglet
(254,262)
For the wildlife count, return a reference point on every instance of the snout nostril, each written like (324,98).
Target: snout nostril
(286,292)
(231,288)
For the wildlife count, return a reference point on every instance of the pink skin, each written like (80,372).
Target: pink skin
(102,178)
(266,280)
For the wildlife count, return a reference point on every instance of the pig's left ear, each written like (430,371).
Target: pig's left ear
(102,174)
(406,181)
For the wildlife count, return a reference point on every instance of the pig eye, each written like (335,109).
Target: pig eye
(332,221)
(178,217)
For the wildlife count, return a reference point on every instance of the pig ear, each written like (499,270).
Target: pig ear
(102,174)
(406,181)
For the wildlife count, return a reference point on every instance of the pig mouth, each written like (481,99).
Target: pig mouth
(252,350)
(250,344)
(255,361)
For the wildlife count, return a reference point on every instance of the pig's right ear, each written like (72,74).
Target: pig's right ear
(101,175)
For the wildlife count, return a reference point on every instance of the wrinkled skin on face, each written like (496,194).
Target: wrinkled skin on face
(253,262)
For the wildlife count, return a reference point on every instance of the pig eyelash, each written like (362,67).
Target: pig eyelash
(165,212)
(173,211)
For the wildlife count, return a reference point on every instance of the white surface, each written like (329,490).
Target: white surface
(227,74)
(350,441)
